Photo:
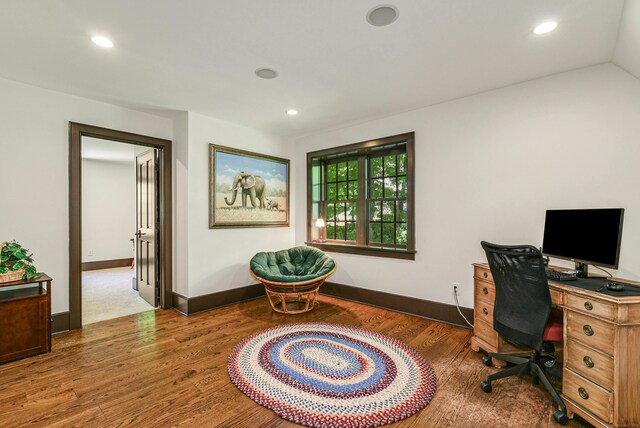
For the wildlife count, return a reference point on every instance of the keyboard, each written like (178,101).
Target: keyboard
(556,275)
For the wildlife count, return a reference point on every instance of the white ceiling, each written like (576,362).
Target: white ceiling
(106,150)
(335,68)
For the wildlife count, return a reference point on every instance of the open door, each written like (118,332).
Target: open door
(147,225)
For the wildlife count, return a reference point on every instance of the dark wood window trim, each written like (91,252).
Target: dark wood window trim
(359,151)
(76,132)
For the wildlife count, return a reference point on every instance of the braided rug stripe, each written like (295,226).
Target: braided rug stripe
(331,375)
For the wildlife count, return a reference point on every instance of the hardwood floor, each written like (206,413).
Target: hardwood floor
(160,369)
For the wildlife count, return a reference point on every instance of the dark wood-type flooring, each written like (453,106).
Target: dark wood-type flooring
(161,369)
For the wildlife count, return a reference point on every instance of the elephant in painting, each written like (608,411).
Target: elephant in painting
(272,205)
(252,186)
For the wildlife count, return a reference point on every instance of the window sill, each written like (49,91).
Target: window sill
(364,251)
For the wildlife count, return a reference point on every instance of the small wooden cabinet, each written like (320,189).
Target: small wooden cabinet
(25,318)
(601,348)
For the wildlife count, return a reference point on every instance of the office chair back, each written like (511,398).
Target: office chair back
(523,301)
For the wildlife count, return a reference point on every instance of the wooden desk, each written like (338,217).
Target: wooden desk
(601,348)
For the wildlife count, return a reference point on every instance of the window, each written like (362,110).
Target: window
(364,194)
(340,206)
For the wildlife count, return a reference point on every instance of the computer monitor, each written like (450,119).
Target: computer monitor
(586,236)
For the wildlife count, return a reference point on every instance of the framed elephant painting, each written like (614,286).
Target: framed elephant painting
(247,189)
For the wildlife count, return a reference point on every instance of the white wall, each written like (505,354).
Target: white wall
(34,122)
(489,165)
(181,203)
(34,148)
(219,258)
(627,52)
(108,209)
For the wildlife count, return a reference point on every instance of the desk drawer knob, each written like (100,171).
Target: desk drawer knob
(588,330)
(583,393)
(485,311)
(485,290)
(588,362)
(588,306)
(486,275)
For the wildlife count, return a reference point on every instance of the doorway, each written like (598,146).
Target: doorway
(119,212)
(104,283)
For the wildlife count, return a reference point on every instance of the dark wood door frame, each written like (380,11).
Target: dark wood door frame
(76,132)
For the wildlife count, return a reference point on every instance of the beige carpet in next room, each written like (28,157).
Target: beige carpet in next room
(107,294)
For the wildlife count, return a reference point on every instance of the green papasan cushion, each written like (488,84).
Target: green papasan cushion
(293,265)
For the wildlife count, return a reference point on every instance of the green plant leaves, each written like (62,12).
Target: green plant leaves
(13,257)
(30,272)
(17,265)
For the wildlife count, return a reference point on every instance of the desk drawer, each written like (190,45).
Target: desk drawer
(587,394)
(592,332)
(484,273)
(484,311)
(589,363)
(485,331)
(485,291)
(591,306)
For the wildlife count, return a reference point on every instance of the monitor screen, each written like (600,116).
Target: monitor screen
(587,235)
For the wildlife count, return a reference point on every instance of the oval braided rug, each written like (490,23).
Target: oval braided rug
(332,375)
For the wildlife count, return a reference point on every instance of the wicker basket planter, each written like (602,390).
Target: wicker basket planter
(11,276)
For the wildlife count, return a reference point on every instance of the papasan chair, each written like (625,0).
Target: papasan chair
(292,277)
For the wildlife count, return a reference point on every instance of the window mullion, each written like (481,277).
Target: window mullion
(323,191)
(361,205)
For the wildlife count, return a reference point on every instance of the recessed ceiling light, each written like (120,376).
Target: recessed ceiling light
(102,41)
(545,27)
(266,73)
(292,112)
(382,15)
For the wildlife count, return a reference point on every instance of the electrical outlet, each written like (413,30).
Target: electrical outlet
(455,286)
(90,252)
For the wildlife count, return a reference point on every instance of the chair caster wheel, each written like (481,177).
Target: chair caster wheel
(561,417)
(487,361)
(486,386)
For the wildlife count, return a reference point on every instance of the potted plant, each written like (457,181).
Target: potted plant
(15,262)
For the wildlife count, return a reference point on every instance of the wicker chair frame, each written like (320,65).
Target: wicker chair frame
(281,293)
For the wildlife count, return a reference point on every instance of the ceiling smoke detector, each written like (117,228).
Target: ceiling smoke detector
(382,15)
(266,73)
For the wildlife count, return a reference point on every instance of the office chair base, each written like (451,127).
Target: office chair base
(539,371)
(561,417)
(486,386)
(487,361)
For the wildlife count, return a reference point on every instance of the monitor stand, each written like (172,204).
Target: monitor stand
(582,270)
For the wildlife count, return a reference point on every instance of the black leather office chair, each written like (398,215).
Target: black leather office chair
(523,315)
